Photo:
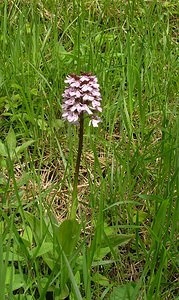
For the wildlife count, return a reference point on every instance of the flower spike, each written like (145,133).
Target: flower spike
(82,95)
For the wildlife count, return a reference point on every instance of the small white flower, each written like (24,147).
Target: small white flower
(94,122)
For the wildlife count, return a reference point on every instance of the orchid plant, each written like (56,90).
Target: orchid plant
(81,97)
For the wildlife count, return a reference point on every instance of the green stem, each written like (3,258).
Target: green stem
(77,167)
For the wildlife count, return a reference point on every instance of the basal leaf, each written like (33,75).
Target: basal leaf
(116,240)
(11,140)
(27,236)
(10,271)
(100,279)
(18,282)
(43,249)
(3,150)
(67,235)
(123,292)
(35,227)
(100,253)
(24,146)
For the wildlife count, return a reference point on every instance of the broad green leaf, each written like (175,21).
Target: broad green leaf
(57,123)
(24,146)
(3,150)
(142,215)
(123,292)
(44,281)
(27,236)
(49,257)
(15,280)
(64,293)
(3,163)
(67,235)
(11,140)
(10,271)
(18,282)
(42,124)
(78,278)
(13,256)
(35,227)
(109,229)
(43,249)
(100,279)
(116,240)
(101,253)
(62,49)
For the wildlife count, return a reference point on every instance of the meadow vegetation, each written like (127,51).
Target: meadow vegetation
(123,243)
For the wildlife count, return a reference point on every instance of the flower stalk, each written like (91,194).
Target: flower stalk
(81,97)
(77,168)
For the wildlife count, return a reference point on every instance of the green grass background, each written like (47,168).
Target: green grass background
(129,179)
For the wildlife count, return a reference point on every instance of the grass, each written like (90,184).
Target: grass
(124,242)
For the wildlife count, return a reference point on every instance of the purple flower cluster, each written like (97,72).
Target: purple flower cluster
(82,95)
